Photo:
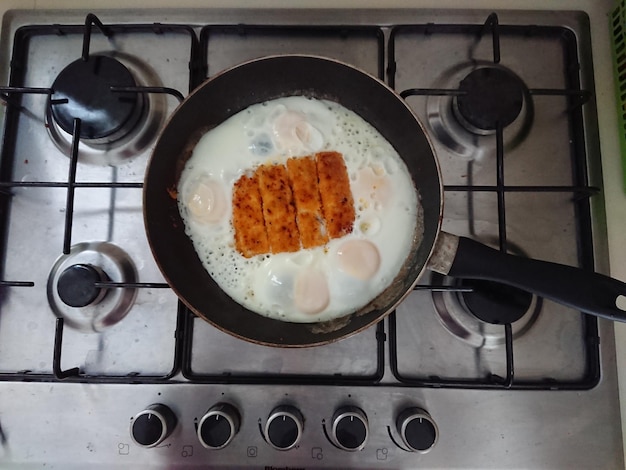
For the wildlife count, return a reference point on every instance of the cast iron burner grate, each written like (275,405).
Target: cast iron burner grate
(494,117)
(74,119)
(198,65)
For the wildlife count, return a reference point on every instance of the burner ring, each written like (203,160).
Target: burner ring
(109,309)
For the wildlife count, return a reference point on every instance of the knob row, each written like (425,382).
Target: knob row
(219,425)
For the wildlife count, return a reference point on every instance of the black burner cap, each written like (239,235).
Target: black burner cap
(76,285)
(82,90)
(492,95)
(495,303)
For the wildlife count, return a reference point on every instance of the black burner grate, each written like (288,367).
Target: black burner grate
(11,96)
(199,60)
(580,191)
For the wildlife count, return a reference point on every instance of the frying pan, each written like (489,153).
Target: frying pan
(276,76)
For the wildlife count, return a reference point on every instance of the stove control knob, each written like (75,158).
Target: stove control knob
(284,427)
(417,429)
(350,429)
(218,426)
(151,426)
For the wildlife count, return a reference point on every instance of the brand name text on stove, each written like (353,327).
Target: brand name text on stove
(269,467)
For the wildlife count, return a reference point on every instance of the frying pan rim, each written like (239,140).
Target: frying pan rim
(392,95)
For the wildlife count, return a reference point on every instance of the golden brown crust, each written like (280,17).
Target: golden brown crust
(283,207)
(303,178)
(334,187)
(278,209)
(250,235)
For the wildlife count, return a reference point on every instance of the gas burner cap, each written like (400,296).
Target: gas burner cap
(83,90)
(76,285)
(492,96)
(141,116)
(477,317)
(455,315)
(493,302)
(470,137)
(73,296)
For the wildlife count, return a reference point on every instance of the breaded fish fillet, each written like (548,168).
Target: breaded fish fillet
(283,207)
(309,218)
(250,235)
(334,187)
(278,208)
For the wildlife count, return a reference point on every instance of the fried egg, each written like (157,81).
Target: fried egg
(315,284)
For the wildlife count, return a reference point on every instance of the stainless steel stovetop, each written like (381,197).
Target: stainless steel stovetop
(541,392)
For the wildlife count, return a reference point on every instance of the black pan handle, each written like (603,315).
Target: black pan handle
(586,291)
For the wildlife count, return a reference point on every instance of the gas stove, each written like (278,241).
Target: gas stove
(101,364)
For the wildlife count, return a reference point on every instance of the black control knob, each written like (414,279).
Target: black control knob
(284,427)
(218,426)
(151,426)
(76,285)
(350,429)
(417,429)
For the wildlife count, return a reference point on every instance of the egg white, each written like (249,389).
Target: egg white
(314,284)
